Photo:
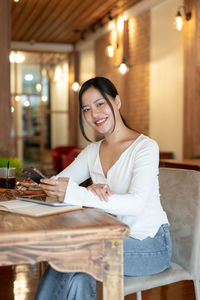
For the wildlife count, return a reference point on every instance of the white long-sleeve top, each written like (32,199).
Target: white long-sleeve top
(133,179)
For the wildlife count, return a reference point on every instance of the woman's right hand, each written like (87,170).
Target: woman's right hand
(55,187)
(100,190)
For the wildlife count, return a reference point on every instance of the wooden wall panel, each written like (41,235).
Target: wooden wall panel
(197,88)
(191,145)
(73,100)
(5,113)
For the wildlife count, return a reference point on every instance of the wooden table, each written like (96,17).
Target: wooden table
(88,240)
(192,164)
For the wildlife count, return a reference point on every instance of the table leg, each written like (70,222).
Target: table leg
(113,280)
(99,290)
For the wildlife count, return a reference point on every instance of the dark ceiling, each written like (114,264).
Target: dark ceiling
(61,21)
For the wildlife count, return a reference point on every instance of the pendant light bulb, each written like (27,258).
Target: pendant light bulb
(181,17)
(123,67)
(75,86)
(110,50)
(38,87)
(44,98)
(179,21)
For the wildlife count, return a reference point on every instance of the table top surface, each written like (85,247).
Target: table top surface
(191,162)
(91,223)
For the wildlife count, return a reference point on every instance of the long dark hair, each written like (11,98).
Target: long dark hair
(105,87)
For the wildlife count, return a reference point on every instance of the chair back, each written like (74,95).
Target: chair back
(63,156)
(180,198)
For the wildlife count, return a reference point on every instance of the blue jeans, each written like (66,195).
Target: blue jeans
(141,257)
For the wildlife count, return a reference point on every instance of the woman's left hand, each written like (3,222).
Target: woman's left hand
(55,187)
(100,190)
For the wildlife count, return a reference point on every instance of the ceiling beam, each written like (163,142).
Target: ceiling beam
(43,47)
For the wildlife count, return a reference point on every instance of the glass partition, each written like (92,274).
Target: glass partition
(39,98)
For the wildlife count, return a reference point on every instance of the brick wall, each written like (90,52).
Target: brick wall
(133,87)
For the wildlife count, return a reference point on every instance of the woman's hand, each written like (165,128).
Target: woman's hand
(100,190)
(55,187)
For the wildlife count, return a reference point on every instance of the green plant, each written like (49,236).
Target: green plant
(14,162)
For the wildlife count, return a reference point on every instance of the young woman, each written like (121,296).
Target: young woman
(123,167)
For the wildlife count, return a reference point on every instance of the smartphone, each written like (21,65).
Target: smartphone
(34,174)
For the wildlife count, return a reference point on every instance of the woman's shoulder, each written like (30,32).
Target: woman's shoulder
(145,142)
(92,147)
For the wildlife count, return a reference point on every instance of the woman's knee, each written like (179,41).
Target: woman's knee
(148,256)
(83,280)
(82,286)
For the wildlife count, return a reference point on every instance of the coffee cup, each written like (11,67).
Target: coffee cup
(7,178)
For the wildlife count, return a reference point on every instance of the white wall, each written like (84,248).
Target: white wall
(166,79)
(59,102)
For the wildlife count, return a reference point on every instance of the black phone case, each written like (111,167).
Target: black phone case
(34,174)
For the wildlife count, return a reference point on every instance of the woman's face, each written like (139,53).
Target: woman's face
(97,112)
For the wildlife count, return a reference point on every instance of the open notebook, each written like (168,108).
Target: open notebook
(33,209)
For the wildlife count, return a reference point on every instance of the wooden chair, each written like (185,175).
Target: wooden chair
(180,197)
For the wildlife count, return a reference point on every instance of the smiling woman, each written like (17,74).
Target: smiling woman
(123,167)
(101,97)
(97,111)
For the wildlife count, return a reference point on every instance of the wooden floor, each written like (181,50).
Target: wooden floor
(20,283)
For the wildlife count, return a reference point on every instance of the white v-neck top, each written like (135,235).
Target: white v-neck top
(133,179)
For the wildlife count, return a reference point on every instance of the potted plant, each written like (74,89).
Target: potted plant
(14,162)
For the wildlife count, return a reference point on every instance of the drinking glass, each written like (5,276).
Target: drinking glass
(7,178)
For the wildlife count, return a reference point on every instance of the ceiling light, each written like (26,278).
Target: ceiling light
(12,58)
(114,38)
(44,98)
(120,24)
(28,77)
(26,103)
(110,50)
(124,67)
(17,98)
(38,87)
(19,58)
(111,25)
(16,57)
(179,20)
(75,86)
